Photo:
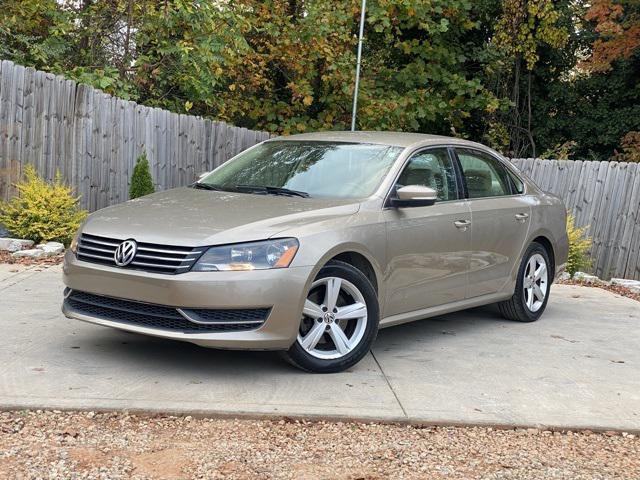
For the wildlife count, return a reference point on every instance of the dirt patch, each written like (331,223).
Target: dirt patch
(168,463)
(88,458)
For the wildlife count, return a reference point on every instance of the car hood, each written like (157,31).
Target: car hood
(191,217)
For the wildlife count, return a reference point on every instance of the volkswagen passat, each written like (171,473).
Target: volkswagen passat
(309,244)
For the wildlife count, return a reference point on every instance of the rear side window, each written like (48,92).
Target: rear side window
(431,168)
(485,176)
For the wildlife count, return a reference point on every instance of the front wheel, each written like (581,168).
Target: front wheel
(339,321)
(532,287)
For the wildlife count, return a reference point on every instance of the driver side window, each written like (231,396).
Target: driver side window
(431,168)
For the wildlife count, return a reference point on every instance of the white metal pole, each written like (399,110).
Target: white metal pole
(359,59)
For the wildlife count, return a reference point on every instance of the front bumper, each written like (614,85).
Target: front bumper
(281,290)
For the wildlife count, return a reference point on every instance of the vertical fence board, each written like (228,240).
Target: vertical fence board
(15,130)
(6,127)
(623,219)
(29,115)
(631,241)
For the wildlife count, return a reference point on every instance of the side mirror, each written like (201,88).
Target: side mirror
(414,196)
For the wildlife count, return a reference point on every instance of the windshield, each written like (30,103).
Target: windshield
(319,169)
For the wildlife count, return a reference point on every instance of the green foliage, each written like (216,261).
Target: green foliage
(141,181)
(419,75)
(560,152)
(42,211)
(526,25)
(497,136)
(579,245)
(33,32)
(508,72)
(288,66)
(595,110)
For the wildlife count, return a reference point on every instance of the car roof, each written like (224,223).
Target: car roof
(399,139)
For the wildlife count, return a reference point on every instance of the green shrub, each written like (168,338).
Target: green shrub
(579,245)
(141,181)
(630,145)
(561,151)
(42,211)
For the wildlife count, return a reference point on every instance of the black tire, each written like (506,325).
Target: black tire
(300,358)
(516,308)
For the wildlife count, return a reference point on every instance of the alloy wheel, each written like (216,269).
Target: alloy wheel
(535,282)
(334,318)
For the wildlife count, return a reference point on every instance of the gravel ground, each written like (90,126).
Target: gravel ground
(117,445)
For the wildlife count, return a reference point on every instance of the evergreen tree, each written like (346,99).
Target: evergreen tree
(141,181)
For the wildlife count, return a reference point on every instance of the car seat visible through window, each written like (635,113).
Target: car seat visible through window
(479,183)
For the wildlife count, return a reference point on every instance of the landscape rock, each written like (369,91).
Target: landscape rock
(52,248)
(31,253)
(624,282)
(14,244)
(633,285)
(585,277)
(564,276)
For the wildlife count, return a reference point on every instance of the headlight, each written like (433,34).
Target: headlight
(248,256)
(73,246)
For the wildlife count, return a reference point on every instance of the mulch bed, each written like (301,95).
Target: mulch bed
(5,257)
(617,289)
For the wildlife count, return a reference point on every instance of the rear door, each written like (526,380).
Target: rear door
(428,246)
(500,218)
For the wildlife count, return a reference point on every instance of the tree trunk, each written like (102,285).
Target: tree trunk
(529,132)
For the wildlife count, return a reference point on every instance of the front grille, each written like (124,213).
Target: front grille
(193,320)
(149,257)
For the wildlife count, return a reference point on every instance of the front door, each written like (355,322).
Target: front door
(499,221)
(428,246)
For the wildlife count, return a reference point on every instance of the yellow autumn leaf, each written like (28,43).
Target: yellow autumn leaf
(308,100)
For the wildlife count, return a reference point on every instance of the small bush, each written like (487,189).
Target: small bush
(579,245)
(141,181)
(630,145)
(42,211)
(561,151)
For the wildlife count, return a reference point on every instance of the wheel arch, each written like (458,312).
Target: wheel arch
(548,246)
(360,262)
(358,257)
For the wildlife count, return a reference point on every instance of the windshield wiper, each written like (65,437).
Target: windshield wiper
(271,190)
(206,186)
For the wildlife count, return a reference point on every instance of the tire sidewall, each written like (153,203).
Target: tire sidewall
(301,358)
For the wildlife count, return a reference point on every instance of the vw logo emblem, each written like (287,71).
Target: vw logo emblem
(125,253)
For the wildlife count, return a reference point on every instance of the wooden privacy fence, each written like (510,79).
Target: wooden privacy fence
(94,139)
(603,195)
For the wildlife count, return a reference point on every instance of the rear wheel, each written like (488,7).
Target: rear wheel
(532,287)
(339,321)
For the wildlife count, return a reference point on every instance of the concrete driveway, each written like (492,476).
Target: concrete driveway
(578,367)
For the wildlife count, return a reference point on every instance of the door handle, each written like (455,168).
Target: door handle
(521,217)
(462,224)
